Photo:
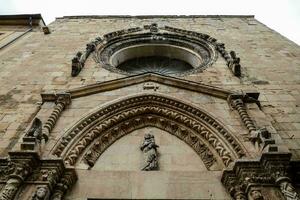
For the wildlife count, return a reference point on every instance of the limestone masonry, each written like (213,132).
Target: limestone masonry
(148,107)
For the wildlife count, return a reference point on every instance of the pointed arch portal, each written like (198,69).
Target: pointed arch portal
(93,134)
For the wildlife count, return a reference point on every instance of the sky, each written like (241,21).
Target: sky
(280,15)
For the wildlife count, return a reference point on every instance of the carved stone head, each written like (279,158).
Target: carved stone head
(255,194)
(40,193)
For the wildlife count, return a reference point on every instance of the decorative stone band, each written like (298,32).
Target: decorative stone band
(272,169)
(76,140)
(198,141)
(158,35)
(63,99)
(233,62)
(79,60)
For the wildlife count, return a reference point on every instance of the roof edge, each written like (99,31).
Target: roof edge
(6,19)
(153,16)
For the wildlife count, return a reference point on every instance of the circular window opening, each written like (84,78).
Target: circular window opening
(158,58)
(164,54)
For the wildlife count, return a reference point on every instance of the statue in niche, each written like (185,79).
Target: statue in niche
(40,193)
(149,149)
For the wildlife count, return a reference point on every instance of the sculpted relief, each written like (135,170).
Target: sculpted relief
(149,149)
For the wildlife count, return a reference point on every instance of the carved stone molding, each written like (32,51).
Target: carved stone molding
(196,42)
(77,139)
(142,78)
(79,60)
(196,141)
(162,36)
(273,169)
(260,137)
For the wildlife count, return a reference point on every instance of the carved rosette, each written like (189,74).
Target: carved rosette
(105,126)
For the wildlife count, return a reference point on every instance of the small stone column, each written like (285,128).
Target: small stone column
(239,105)
(287,189)
(62,101)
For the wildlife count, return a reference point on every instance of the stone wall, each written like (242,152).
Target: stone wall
(38,63)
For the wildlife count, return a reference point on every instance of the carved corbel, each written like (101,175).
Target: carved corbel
(79,60)
(63,100)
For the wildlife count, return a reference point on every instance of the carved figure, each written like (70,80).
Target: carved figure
(35,129)
(234,64)
(76,64)
(255,194)
(40,193)
(150,150)
(288,191)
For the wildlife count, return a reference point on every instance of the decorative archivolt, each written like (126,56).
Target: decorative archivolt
(197,141)
(108,124)
(114,46)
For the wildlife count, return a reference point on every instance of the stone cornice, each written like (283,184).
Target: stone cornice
(141,78)
(152,16)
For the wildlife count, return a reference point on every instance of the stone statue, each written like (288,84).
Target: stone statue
(76,64)
(35,129)
(149,149)
(40,193)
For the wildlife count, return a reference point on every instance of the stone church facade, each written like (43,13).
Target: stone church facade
(148,107)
